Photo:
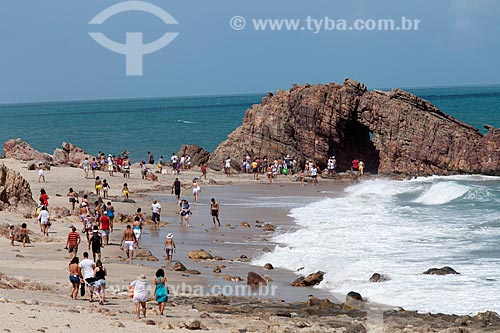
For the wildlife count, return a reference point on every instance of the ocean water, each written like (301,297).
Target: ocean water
(401,229)
(161,125)
(396,228)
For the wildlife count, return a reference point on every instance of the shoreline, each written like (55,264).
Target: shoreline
(238,204)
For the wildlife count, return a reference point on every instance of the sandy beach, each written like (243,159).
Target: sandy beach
(35,291)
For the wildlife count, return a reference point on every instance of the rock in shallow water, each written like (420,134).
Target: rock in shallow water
(441,271)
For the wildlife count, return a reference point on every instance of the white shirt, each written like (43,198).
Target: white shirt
(87,266)
(314,172)
(156,207)
(228,163)
(43,216)
(174,159)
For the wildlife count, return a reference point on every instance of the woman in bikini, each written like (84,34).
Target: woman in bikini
(74,277)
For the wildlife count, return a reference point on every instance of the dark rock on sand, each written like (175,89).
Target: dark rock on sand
(198,155)
(266,249)
(269,227)
(199,254)
(310,280)
(255,280)
(192,272)
(218,258)
(319,302)
(352,295)
(14,189)
(217,269)
(353,300)
(283,314)
(70,155)
(179,267)
(245,224)
(441,271)
(391,131)
(268,266)
(376,277)
(150,322)
(193,325)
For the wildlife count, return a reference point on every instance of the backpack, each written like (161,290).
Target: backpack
(96,241)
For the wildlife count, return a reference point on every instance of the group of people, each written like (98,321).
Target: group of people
(110,164)
(87,276)
(259,166)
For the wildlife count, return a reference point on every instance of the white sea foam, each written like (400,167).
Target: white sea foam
(441,193)
(401,229)
(185,121)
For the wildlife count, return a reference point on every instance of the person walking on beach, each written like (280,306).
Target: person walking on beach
(185,211)
(227,166)
(73,242)
(156,208)
(11,235)
(74,277)
(94,166)
(203,168)
(25,238)
(169,247)
(125,191)
(98,186)
(128,242)
(104,223)
(111,215)
(73,198)
(87,273)
(140,286)
(105,188)
(196,190)
(137,229)
(41,172)
(100,280)
(44,198)
(214,210)
(361,167)
(151,159)
(96,243)
(161,293)
(269,172)
(86,167)
(110,165)
(44,218)
(126,167)
(314,174)
(176,187)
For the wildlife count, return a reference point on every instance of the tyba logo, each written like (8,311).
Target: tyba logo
(134,49)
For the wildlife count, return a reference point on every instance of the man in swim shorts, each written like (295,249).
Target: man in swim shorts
(128,242)
(156,208)
(169,247)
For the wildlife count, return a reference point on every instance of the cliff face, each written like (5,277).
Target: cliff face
(392,132)
(14,189)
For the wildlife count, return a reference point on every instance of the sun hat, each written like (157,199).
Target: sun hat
(141,277)
(170,236)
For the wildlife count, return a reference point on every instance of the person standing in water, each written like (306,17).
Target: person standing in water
(176,187)
(214,210)
(196,190)
(169,247)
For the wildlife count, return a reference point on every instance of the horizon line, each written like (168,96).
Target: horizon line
(228,95)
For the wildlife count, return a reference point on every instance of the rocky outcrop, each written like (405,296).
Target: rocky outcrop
(392,132)
(70,155)
(20,150)
(14,189)
(198,155)
(199,254)
(255,280)
(377,277)
(310,280)
(441,271)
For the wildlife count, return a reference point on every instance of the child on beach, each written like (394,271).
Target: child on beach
(98,186)
(185,212)
(125,190)
(24,234)
(105,188)
(11,235)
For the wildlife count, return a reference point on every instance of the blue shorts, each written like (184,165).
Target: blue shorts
(74,278)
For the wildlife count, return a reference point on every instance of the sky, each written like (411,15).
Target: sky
(47,53)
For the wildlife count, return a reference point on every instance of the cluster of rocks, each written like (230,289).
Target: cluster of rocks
(69,154)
